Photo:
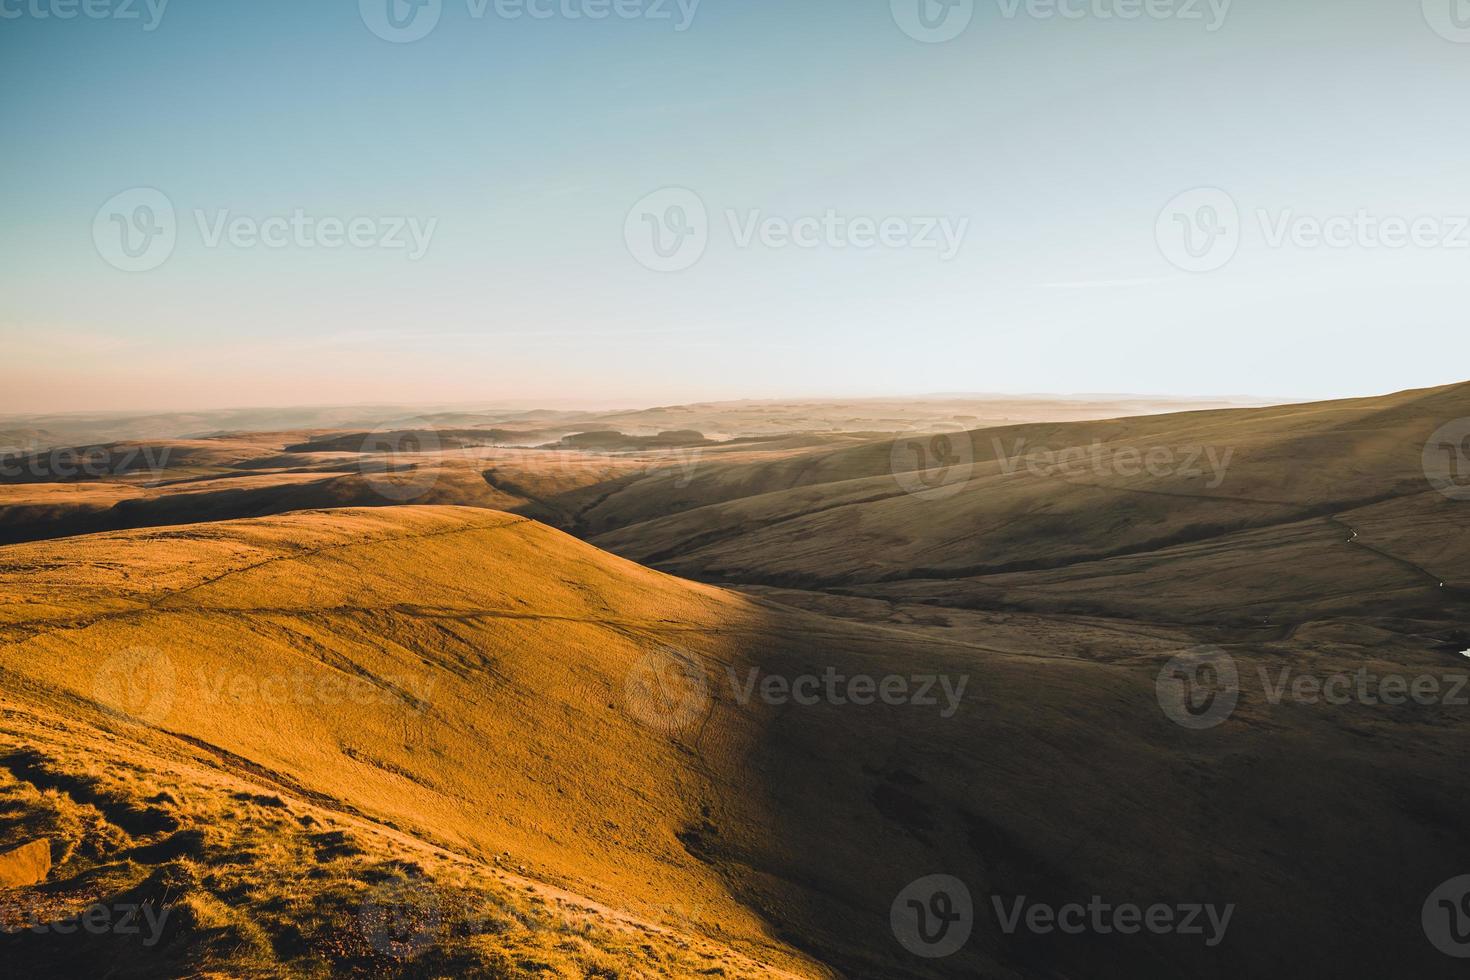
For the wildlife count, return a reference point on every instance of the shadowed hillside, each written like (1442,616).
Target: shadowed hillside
(496,706)
(1160,516)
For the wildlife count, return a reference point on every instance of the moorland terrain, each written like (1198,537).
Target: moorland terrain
(469,693)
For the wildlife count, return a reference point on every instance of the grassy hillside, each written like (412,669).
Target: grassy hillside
(1106,501)
(481,705)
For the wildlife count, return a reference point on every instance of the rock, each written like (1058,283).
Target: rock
(28,864)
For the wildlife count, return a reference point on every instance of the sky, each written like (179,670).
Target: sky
(242,203)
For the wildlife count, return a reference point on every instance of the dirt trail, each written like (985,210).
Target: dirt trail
(1354,537)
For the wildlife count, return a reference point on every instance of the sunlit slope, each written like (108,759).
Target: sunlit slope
(237,875)
(1036,496)
(481,682)
(487,625)
(462,674)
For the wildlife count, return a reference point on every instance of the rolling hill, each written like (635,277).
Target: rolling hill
(420,738)
(465,685)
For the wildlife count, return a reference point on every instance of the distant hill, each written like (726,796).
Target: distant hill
(614,441)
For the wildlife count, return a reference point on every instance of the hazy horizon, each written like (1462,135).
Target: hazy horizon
(335,209)
(595,406)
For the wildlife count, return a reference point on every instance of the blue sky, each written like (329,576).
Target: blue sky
(518,148)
